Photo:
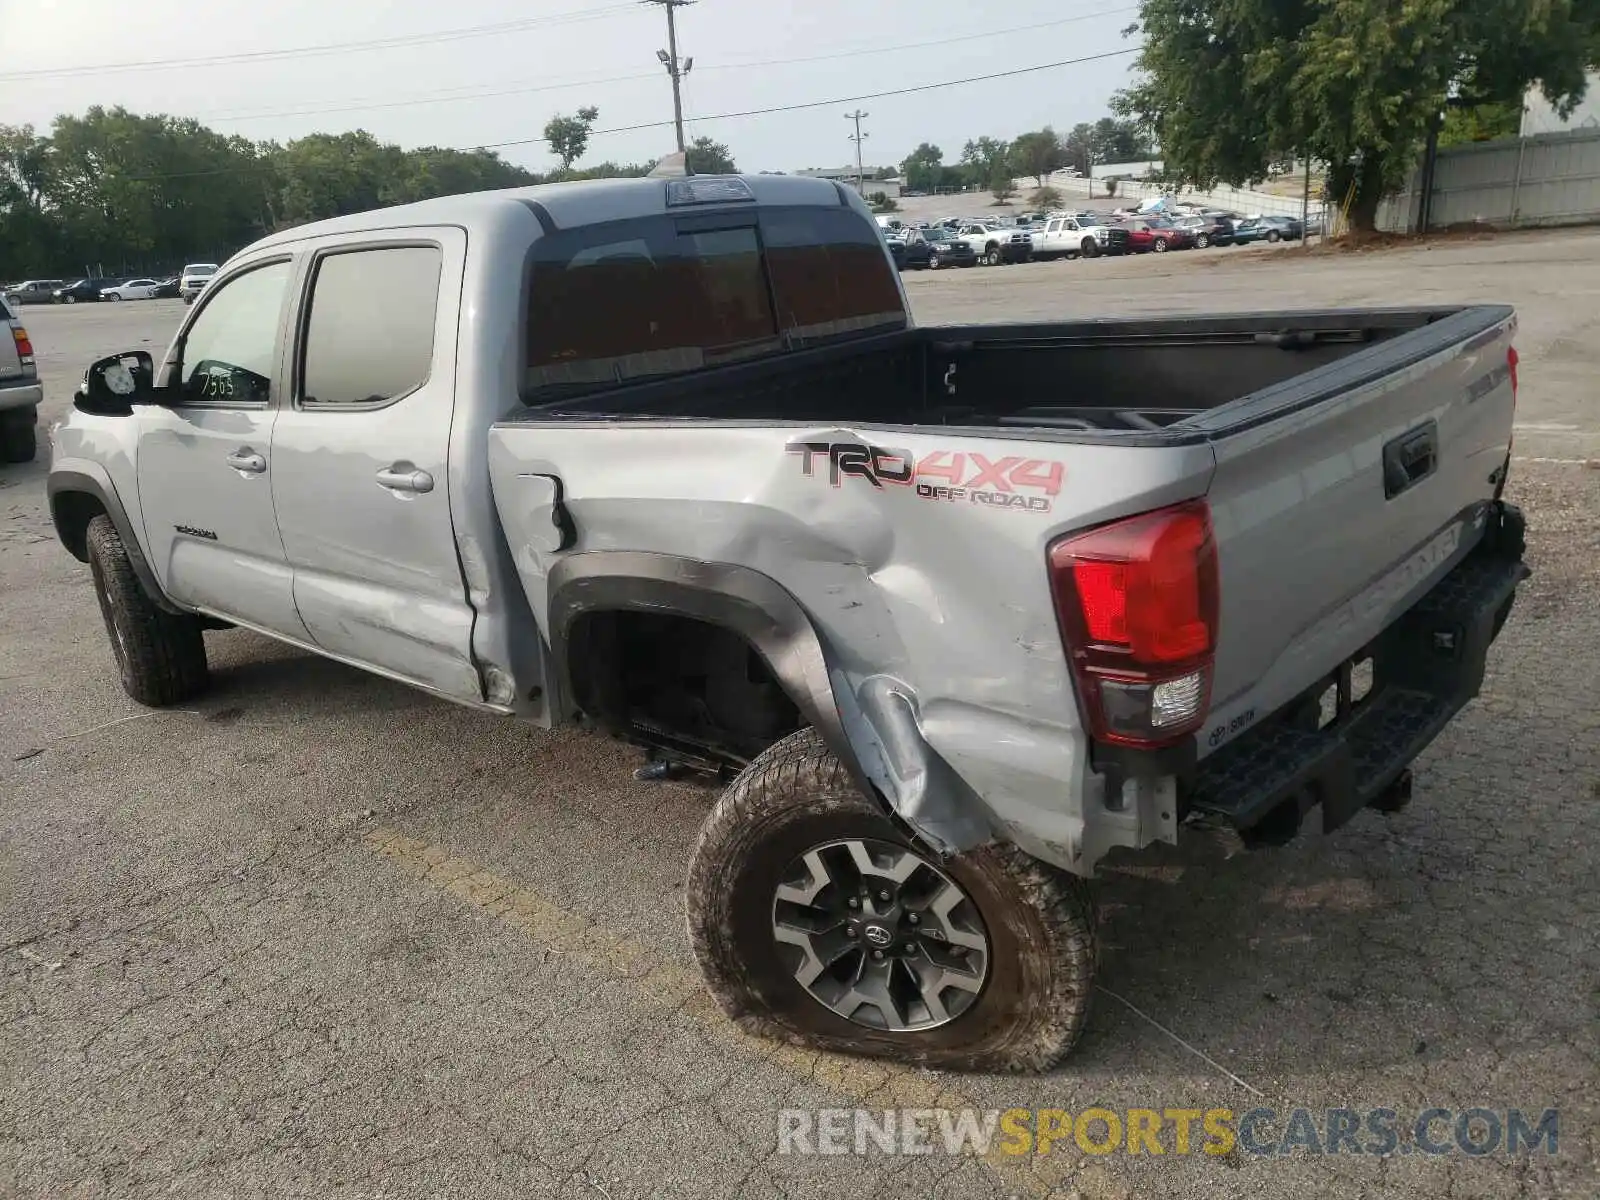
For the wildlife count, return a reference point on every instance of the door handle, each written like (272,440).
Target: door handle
(396,479)
(247,460)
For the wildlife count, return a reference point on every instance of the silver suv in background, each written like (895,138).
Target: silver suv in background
(193,279)
(20,392)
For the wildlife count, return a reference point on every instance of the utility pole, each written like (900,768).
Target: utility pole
(858,116)
(669,59)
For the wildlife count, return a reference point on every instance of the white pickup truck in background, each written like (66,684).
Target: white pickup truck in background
(1067,236)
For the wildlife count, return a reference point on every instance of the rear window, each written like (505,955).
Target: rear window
(658,296)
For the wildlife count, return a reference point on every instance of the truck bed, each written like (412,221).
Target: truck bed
(1118,377)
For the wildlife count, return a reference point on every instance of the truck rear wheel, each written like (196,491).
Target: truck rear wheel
(161,656)
(17,441)
(817,920)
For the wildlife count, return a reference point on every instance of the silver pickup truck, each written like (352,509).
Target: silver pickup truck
(958,610)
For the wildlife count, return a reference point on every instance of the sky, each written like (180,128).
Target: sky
(492,72)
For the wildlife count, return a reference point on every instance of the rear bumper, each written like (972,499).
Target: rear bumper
(19,394)
(1426,667)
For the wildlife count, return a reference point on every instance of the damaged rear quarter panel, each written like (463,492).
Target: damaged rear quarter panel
(933,608)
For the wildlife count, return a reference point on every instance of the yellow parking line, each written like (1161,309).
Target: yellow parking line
(867,1082)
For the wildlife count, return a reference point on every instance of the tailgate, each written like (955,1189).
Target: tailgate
(1341,496)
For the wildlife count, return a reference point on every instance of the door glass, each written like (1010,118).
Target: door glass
(369,338)
(229,351)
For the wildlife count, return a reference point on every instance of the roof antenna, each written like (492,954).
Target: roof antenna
(673,166)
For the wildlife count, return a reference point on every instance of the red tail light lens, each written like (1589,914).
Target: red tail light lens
(1137,603)
(1512,361)
(24,346)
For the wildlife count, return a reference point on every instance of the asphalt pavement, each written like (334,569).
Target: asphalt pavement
(319,935)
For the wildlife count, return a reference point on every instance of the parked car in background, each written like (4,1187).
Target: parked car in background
(167,289)
(1156,234)
(20,392)
(1207,230)
(133,289)
(909,251)
(33,291)
(947,250)
(193,278)
(1070,237)
(82,292)
(1268,229)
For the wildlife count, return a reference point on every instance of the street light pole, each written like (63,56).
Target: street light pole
(669,59)
(858,116)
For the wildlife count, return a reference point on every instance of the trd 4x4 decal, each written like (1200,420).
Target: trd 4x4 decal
(954,476)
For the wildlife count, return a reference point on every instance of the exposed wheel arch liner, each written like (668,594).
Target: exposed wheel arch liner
(75,498)
(875,735)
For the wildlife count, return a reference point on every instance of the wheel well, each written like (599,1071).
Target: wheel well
(697,690)
(72,512)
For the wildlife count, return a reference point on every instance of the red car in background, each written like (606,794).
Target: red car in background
(1156,234)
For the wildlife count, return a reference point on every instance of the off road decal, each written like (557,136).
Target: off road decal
(951,476)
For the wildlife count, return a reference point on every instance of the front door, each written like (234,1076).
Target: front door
(361,478)
(205,458)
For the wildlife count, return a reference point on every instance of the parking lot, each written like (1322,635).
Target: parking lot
(321,935)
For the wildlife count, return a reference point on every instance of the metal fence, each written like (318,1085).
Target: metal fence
(1511,183)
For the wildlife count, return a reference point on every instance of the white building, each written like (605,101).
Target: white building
(1539,115)
(847,176)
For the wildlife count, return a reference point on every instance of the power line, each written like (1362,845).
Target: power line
(454,95)
(729,116)
(783,108)
(411,39)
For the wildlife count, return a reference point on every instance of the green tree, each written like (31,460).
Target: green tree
(983,159)
(1045,199)
(882,202)
(1000,183)
(1077,148)
(923,168)
(707,157)
(1232,85)
(569,136)
(1037,154)
(1481,122)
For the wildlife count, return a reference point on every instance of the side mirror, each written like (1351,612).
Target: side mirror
(112,386)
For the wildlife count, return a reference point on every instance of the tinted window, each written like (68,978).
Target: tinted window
(369,335)
(664,295)
(640,298)
(228,353)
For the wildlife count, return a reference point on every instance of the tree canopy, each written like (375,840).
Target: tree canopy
(707,157)
(1231,86)
(120,192)
(569,136)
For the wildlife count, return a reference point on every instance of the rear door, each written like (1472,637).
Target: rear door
(362,459)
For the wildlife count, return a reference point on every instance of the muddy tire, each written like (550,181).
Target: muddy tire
(161,656)
(764,844)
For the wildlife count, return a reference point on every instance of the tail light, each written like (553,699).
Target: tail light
(24,346)
(1137,603)
(1513,359)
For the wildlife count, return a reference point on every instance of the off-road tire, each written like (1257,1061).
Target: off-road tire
(796,795)
(161,656)
(18,442)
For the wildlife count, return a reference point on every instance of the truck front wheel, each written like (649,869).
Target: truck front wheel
(817,920)
(161,656)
